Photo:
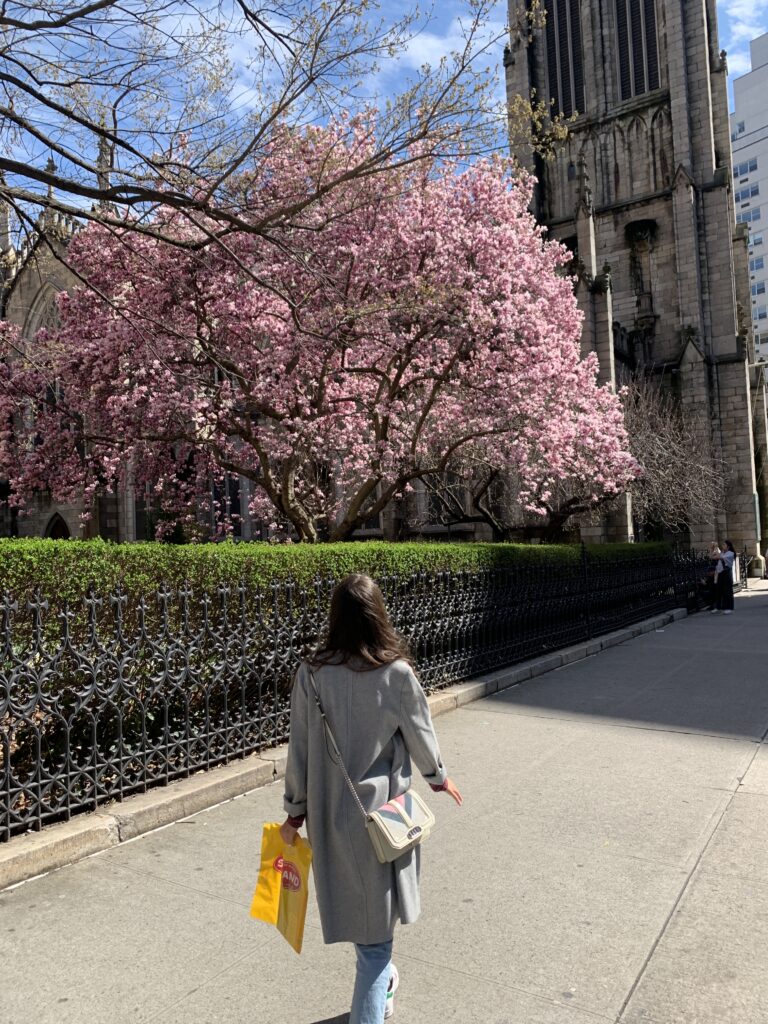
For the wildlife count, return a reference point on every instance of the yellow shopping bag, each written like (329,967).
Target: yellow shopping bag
(283,885)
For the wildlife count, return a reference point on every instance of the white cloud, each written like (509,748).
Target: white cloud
(438,39)
(738,64)
(740,21)
(430,47)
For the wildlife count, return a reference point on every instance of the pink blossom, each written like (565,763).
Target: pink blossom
(397,325)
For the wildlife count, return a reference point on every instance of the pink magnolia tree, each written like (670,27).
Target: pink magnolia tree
(399,326)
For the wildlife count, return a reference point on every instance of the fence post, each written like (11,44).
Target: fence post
(681,565)
(587,590)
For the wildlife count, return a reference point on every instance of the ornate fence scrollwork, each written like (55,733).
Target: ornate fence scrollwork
(115,696)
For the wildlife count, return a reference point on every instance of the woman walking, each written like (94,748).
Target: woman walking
(725,578)
(380,720)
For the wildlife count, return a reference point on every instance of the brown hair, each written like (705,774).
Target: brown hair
(359,627)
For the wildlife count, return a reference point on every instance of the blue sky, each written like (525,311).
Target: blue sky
(738,22)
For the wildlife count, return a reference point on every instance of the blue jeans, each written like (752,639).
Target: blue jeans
(369,1000)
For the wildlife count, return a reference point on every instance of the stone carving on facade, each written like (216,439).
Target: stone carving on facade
(661,147)
(584,189)
(621,344)
(660,211)
(744,319)
(624,156)
(602,283)
(640,236)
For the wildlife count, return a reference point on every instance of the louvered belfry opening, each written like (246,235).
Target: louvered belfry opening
(565,62)
(638,47)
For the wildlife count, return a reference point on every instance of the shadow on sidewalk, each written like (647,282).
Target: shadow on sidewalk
(343,1019)
(706,673)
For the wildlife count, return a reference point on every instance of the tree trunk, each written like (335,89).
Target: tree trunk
(303,525)
(344,530)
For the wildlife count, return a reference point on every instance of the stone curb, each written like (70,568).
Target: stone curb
(56,845)
(36,853)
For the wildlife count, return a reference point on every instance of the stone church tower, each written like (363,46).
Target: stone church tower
(641,193)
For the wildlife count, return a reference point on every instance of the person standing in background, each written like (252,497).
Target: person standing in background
(710,581)
(725,578)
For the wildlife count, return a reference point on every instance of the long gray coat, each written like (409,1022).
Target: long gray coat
(380,719)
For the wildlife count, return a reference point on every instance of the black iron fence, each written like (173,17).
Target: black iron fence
(113,697)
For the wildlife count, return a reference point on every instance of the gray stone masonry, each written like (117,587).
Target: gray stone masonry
(644,187)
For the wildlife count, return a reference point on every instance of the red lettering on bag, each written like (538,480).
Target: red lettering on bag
(291,877)
(290,873)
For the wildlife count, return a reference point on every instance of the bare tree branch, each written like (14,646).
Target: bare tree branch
(184,97)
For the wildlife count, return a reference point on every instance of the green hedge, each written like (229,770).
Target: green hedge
(66,570)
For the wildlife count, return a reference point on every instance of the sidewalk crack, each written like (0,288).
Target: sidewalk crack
(683,890)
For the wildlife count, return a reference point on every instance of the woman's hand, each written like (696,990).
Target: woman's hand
(288,833)
(451,790)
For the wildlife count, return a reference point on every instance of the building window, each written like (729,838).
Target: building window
(740,128)
(226,511)
(638,47)
(759,288)
(747,193)
(748,216)
(565,61)
(745,167)
(758,263)
(762,312)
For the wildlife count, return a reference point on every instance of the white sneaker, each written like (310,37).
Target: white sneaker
(728,611)
(714,611)
(394,981)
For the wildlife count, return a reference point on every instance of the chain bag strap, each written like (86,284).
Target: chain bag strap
(397,826)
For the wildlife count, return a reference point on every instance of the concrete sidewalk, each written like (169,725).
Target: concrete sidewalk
(616,869)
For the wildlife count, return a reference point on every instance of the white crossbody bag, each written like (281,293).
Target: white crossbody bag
(398,825)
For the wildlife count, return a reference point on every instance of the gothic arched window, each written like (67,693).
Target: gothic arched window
(565,60)
(43,311)
(57,529)
(638,47)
